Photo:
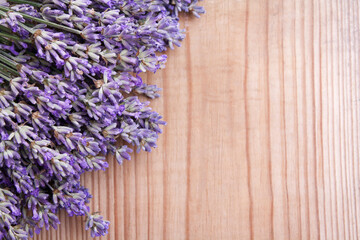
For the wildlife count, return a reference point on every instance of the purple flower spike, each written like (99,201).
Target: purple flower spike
(91,33)
(50,47)
(123,153)
(12,20)
(97,225)
(75,68)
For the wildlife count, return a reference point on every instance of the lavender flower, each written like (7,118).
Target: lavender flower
(11,20)
(50,47)
(69,86)
(97,225)
(148,90)
(123,153)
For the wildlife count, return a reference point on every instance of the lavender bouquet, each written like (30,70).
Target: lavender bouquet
(69,86)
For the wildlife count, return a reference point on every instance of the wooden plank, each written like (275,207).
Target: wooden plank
(262,141)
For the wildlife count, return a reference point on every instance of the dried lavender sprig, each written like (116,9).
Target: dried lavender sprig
(55,129)
(39,20)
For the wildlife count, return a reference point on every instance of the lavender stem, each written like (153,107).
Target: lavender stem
(4,76)
(14,37)
(35,4)
(6,68)
(7,61)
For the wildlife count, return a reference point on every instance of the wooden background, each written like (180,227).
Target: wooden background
(262,142)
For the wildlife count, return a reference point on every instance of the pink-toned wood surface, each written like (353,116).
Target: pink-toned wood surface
(262,142)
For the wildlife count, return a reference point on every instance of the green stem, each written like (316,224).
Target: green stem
(14,37)
(39,20)
(29,29)
(4,41)
(7,61)
(35,4)
(5,77)
(8,55)
(11,57)
(5,29)
(7,69)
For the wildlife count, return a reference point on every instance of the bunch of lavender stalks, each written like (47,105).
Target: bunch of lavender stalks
(69,87)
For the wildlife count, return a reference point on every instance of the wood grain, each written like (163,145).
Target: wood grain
(262,141)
